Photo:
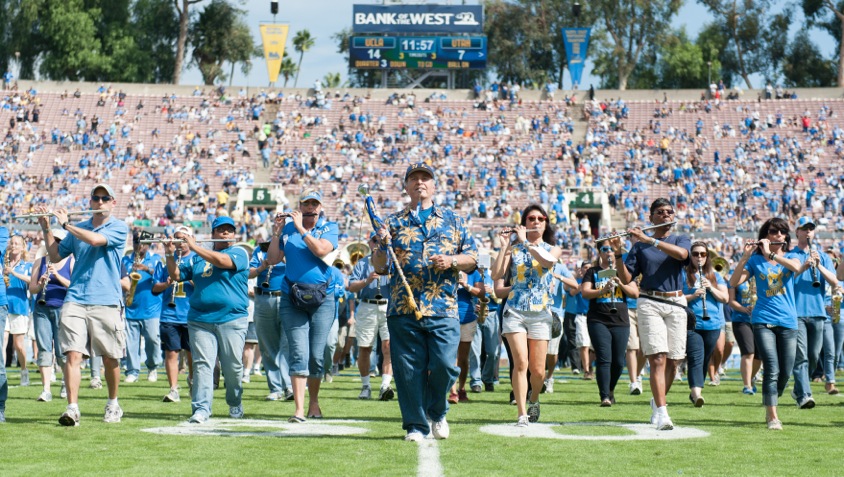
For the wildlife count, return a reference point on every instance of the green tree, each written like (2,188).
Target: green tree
(156,33)
(332,80)
(828,16)
(288,68)
(804,65)
(76,52)
(683,64)
(302,42)
(183,10)
(220,35)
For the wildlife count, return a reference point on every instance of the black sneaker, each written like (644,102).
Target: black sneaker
(489,387)
(476,388)
(533,411)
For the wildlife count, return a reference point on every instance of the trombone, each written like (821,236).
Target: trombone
(50,214)
(643,229)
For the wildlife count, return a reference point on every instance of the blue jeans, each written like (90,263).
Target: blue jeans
(307,334)
(206,341)
(838,338)
(809,341)
(486,344)
(4,384)
(152,345)
(331,343)
(273,342)
(45,320)
(699,347)
(826,365)
(776,347)
(610,344)
(424,365)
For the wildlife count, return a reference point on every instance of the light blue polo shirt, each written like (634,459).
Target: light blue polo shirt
(18,290)
(714,308)
(557,290)
(96,275)
(220,295)
(145,304)
(309,268)
(276,271)
(775,293)
(183,291)
(809,300)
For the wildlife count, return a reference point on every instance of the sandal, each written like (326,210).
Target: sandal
(297,420)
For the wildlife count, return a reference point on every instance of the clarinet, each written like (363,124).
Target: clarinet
(705,316)
(613,308)
(815,282)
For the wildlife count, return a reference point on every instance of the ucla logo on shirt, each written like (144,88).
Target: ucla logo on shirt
(774,280)
(208,270)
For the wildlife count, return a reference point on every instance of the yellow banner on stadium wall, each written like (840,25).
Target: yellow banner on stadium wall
(274,36)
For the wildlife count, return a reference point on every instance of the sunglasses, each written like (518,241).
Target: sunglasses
(101,198)
(777,231)
(699,254)
(664,212)
(536,218)
(606,249)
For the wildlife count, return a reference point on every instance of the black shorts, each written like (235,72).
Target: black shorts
(744,337)
(174,336)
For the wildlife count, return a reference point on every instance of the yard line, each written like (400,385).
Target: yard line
(429,459)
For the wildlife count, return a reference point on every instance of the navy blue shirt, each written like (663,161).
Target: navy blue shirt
(660,272)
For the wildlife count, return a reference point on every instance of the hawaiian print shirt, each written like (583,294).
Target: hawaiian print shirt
(435,291)
(531,282)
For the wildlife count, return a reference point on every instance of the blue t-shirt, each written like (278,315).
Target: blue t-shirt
(742,294)
(576,304)
(810,301)
(659,271)
(466,301)
(377,290)
(557,290)
(309,268)
(220,295)
(145,304)
(96,274)
(183,291)
(276,271)
(714,308)
(18,290)
(774,292)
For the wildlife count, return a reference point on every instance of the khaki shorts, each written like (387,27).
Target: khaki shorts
(728,329)
(662,327)
(633,340)
(346,332)
(17,324)
(537,324)
(97,328)
(467,331)
(581,334)
(371,321)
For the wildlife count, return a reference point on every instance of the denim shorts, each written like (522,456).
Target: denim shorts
(174,336)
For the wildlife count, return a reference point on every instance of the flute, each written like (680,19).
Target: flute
(166,240)
(643,229)
(286,215)
(512,230)
(50,214)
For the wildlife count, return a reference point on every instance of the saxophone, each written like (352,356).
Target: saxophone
(836,308)
(484,261)
(134,278)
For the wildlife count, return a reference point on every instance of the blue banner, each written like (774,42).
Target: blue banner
(417,19)
(576,41)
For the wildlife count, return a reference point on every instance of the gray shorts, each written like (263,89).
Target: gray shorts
(97,328)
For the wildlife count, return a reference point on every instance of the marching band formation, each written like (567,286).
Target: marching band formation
(422,288)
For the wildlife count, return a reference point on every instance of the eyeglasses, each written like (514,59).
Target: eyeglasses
(606,249)
(699,254)
(777,231)
(536,218)
(664,212)
(101,198)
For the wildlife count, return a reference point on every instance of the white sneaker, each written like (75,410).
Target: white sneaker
(663,422)
(245,379)
(96,383)
(45,396)
(70,418)
(636,388)
(131,379)
(523,421)
(236,412)
(549,386)
(440,429)
(653,411)
(24,377)
(2,417)
(257,372)
(775,425)
(274,397)
(414,436)
(153,375)
(365,392)
(172,396)
(808,402)
(678,377)
(63,392)
(112,414)
(198,418)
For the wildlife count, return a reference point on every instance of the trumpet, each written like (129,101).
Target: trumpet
(42,295)
(134,278)
(836,308)
(643,229)
(50,214)
(172,302)
(483,301)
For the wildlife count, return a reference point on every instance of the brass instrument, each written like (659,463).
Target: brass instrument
(836,308)
(751,291)
(350,254)
(134,278)
(50,214)
(643,229)
(484,261)
(172,302)
(719,263)
(42,295)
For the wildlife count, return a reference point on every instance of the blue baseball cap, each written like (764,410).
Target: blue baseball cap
(806,221)
(419,166)
(220,221)
(311,194)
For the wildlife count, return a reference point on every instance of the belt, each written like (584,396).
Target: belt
(261,291)
(374,302)
(671,294)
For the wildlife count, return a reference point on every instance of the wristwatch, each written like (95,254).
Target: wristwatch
(454,261)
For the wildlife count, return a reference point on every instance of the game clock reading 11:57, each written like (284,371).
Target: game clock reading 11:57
(412,52)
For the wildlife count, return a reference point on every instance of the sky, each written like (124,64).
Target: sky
(323,18)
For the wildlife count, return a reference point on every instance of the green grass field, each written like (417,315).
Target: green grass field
(739,444)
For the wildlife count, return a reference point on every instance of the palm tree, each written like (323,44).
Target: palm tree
(302,42)
(288,69)
(332,80)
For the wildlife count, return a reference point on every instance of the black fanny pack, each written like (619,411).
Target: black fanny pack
(307,295)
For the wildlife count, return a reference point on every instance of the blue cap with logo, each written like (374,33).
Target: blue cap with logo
(220,221)
(419,166)
(806,221)
(311,195)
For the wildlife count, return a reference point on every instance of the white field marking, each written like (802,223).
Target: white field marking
(429,459)
(642,432)
(229,428)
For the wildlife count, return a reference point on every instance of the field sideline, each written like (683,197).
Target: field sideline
(739,444)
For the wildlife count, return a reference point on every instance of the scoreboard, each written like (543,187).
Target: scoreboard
(418,52)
